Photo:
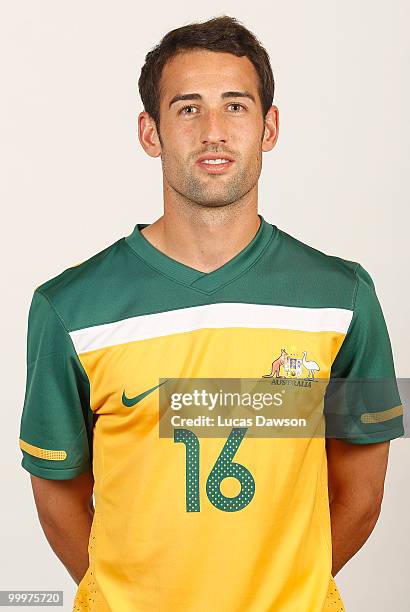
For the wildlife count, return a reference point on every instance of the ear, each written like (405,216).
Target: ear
(271,131)
(148,135)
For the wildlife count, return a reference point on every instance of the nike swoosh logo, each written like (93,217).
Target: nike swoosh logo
(131,401)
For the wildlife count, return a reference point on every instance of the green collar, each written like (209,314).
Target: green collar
(204,281)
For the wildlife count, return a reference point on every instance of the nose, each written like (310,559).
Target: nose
(213,127)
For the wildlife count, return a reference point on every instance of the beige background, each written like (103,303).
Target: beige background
(75,179)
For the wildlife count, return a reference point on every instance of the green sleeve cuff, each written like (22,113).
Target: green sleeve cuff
(379,436)
(53,474)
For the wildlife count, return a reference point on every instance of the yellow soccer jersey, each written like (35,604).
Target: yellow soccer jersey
(187,524)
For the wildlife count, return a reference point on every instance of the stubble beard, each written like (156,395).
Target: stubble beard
(212,190)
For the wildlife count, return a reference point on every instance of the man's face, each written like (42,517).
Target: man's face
(231,125)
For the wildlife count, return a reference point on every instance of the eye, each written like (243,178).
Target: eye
(184,108)
(237,104)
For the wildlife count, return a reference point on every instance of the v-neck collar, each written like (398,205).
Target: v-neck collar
(204,281)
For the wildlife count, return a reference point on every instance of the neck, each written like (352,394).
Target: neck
(204,238)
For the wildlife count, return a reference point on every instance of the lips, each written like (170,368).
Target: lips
(215,168)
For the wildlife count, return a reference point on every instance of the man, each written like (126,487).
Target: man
(210,289)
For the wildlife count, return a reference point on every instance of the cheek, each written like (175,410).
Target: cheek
(246,136)
(188,138)
(183,143)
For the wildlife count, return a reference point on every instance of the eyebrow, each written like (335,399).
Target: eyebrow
(226,94)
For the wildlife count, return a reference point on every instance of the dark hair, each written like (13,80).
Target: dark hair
(223,34)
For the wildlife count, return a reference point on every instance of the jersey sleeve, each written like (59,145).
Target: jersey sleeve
(56,421)
(362,401)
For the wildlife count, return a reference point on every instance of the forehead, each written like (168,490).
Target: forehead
(199,70)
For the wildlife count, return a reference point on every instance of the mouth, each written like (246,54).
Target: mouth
(215,165)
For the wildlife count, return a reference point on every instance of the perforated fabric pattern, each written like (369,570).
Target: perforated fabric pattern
(86,598)
(334,602)
(42,453)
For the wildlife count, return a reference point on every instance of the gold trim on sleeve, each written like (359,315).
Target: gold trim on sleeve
(42,453)
(384,415)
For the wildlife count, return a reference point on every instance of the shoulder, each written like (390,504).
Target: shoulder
(330,278)
(319,259)
(84,286)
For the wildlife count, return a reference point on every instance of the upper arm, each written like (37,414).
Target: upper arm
(57,421)
(55,498)
(362,402)
(357,471)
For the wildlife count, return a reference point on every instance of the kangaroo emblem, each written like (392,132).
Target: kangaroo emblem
(275,370)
